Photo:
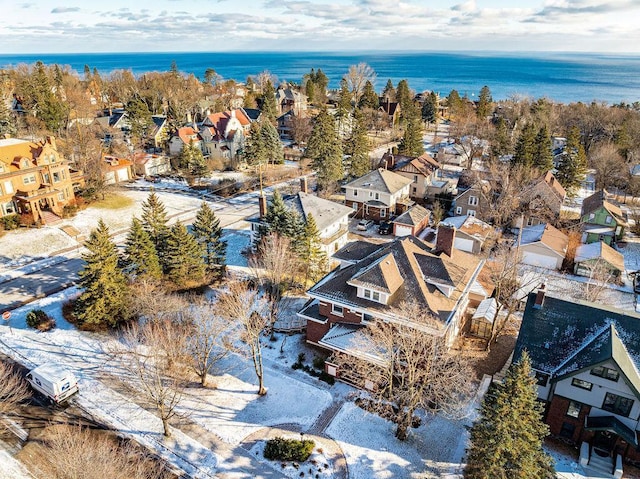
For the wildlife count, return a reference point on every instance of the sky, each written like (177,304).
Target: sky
(64,26)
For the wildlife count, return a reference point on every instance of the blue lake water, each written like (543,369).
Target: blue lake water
(563,77)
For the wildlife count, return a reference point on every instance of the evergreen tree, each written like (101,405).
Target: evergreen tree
(411,143)
(184,258)
(7,121)
(310,90)
(485,101)
(310,252)
(263,145)
(325,150)
(526,147)
(573,168)
(192,160)
(454,102)
(389,92)
(506,441)
(358,147)
(207,231)
(155,223)
(404,98)
(369,98)
(430,108)
(140,257)
(140,121)
(268,102)
(344,102)
(104,287)
(501,142)
(41,99)
(280,219)
(543,155)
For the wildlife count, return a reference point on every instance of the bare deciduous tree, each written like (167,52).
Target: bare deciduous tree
(74,452)
(250,314)
(13,390)
(408,369)
(600,277)
(357,77)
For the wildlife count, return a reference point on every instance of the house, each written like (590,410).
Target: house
(187,135)
(378,195)
(391,110)
(146,164)
(36,179)
(601,219)
(412,221)
(422,170)
(598,258)
(159,134)
(116,170)
(354,251)
(473,200)
(542,245)
(586,358)
(289,99)
(471,233)
(223,134)
(332,219)
(439,282)
(541,201)
(452,154)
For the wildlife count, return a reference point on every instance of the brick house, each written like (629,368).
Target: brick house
(36,179)
(374,287)
(412,221)
(378,195)
(586,361)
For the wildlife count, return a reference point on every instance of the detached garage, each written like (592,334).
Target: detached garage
(543,245)
(411,222)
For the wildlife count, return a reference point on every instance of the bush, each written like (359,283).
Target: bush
(10,222)
(318,363)
(38,319)
(327,378)
(288,449)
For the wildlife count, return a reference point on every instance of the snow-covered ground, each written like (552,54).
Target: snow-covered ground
(10,468)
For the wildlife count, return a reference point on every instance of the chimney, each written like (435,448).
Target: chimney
(539,297)
(52,141)
(262,203)
(445,237)
(304,186)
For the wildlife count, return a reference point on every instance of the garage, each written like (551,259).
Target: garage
(463,244)
(402,230)
(537,259)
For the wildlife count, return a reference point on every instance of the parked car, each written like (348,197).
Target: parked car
(53,381)
(385,228)
(364,225)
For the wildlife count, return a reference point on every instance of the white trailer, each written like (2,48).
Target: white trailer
(52,380)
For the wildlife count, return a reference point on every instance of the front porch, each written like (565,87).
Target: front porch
(608,441)
(43,204)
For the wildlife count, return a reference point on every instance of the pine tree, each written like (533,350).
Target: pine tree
(140,257)
(140,121)
(525,147)
(573,168)
(404,98)
(268,102)
(344,102)
(310,252)
(325,150)
(485,100)
(7,121)
(155,223)
(389,92)
(454,102)
(430,108)
(543,155)
(192,159)
(501,142)
(411,143)
(358,147)
(369,98)
(184,258)
(104,296)
(263,145)
(207,231)
(506,441)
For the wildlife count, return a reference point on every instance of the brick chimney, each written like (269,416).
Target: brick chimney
(304,185)
(445,237)
(262,203)
(540,297)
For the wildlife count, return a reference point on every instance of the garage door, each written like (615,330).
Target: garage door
(403,230)
(123,174)
(463,244)
(535,259)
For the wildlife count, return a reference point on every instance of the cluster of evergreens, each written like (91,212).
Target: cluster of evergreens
(153,251)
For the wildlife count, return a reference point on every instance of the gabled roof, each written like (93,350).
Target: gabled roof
(187,134)
(217,122)
(470,225)
(599,250)
(355,250)
(425,164)
(554,184)
(566,336)
(381,180)
(598,200)
(382,275)
(413,216)
(324,212)
(415,262)
(546,234)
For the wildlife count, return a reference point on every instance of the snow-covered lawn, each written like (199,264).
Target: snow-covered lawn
(10,468)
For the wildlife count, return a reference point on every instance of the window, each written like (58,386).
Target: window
(45,177)
(567,430)
(56,177)
(579,383)
(383,213)
(377,197)
(415,178)
(337,310)
(355,192)
(415,190)
(531,221)
(376,296)
(473,200)
(606,373)
(367,293)
(608,220)
(354,206)
(573,410)
(541,378)
(617,404)
(28,179)
(592,216)
(61,196)
(25,163)
(471,213)
(458,210)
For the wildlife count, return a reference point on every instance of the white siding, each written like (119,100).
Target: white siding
(537,259)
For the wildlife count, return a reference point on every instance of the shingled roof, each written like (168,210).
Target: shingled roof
(599,250)
(413,216)
(324,212)
(599,199)
(563,337)
(381,180)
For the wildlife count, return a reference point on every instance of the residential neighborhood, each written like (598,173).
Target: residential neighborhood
(279,279)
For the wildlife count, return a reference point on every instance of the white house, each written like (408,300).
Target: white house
(378,194)
(543,245)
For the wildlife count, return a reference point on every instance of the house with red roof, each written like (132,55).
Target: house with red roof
(223,134)
(184,136)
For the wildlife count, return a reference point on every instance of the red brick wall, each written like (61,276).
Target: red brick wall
(315,331)
(349,316)
(557,414)
(374,213)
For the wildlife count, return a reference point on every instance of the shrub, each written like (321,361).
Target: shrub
(26,219)
(327,378)
(288,449)
(10,222)
(40,320)
(318,363)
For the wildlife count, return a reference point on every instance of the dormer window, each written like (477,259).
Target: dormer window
(372,295)
(608,220)
(607,373)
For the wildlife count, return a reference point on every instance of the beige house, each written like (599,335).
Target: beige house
(35,179)
(421,170)
(378,194)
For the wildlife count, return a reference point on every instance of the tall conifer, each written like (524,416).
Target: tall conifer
(573,168)
(104,287)
(155,222)
(309,250)
(358,147)
(140,256)
(184,257)
(543,156)
(525,147)
(207,231)
(325,150)
(411,143)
